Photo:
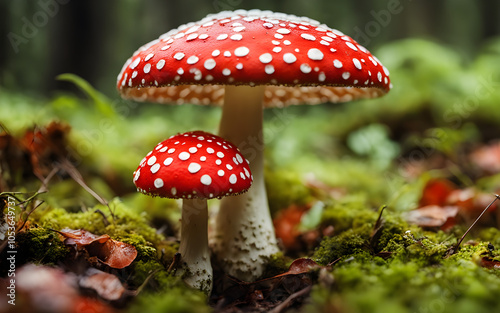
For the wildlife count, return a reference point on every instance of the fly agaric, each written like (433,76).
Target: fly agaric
(194,166)
(246,61)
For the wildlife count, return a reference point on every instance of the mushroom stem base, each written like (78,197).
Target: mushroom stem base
(244,237)
(196,268)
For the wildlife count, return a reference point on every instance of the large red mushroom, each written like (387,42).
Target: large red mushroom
(194,166)
(246,61)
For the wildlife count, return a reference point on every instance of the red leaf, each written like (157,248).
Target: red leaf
(286,223)
(436,192)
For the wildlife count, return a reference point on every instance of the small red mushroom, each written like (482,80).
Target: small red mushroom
(246,61)
(194,166)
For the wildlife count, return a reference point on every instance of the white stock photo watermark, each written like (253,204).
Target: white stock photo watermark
(8,236)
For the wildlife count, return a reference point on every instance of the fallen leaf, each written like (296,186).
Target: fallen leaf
(489,263)
(487,158)
(106,285)
(433,216)
(436,192)
(115,254)
(286,225)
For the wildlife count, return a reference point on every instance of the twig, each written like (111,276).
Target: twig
(283,305)
(454,249)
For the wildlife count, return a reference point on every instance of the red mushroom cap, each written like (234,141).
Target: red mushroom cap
(193,165)
(253,48)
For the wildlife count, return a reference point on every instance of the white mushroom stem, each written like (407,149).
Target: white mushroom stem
(244,236)
(195,254)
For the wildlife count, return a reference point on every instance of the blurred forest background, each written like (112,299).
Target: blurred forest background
(43,38)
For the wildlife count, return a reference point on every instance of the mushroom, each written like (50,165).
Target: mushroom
(194,166)
(246,61)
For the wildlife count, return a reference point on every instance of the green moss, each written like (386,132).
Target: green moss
(174,300)
(348,213)
(127,225)
(40,245)
(276,264)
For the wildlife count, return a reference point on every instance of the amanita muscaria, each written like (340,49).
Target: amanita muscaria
(194,166)
(245,61)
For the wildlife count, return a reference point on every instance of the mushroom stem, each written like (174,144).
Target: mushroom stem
(244,237)
(195,255)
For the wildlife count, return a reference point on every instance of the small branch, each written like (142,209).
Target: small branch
(454,249)
(283,305)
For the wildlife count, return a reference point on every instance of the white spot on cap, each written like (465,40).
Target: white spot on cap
(135,63)
(184,155)
(337,63)
(357,64)
(168,161)
(277,49)
(152,160)
(180,71)
(289,58)
(346,75)
(179,56)
(194,168)
(220,154)
(215,53)
(226,72)
(206,180)
(173,191)
(239,29)
(315,54)
(239,158)
(278,36)
(247,173)
(351,45)
(287,42)
(229,167)
(155,168)
(192,59)
(203,158)
(233,179)
(283,31)
(241,51)
(147,68)
(220,173)
(269,69)
(203,36)
(236,37)
(222,36)
(308,37)
(209,64)
(160,64)
(321,77)
(149,57)
(379,76)
(134,74)
(193,149)
(268,25)
(218,162)
(227,54)
(239,66)
(265,58)
(210,150)
(158,183)
(305,68)
(191,37)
